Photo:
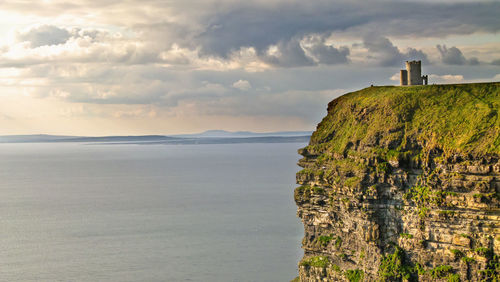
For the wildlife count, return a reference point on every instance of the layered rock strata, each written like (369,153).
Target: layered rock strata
(403,184)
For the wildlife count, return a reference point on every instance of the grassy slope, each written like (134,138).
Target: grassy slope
(455,118)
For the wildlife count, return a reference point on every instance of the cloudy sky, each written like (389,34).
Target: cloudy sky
(102,67)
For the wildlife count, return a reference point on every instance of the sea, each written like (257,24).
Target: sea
(136,212)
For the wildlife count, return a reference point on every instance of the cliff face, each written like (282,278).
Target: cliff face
(403,183)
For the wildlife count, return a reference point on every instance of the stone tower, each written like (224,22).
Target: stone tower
(413,74)
(414,69)
(403,77)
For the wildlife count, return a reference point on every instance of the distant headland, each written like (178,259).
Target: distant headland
(207,137)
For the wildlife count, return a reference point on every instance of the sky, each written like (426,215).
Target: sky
(132,67)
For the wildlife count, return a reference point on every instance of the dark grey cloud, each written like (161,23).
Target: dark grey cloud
(383,50)
(304,51)
(322,53)
(288,54)
(252,25)
(44,35)
(453,56)
(386,54)
(414,54)
(473,61)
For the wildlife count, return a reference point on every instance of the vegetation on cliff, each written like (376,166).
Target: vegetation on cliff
(457,118)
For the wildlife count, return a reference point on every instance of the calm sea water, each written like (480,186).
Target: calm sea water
(77,212)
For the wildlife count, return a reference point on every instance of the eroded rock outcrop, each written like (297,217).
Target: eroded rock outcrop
(403,183)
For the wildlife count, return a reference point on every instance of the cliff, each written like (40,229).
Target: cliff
(403,183)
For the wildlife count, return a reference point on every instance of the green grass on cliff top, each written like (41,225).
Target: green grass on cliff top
(459,117)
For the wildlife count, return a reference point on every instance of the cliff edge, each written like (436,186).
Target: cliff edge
(403,184)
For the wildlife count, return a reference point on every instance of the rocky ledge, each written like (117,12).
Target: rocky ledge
(403,184)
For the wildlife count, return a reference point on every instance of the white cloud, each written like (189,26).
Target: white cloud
(243,85)
(395,77)
(447,78)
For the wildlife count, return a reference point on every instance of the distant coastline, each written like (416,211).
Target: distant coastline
(207,137)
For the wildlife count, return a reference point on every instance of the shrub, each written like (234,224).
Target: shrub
(336,268)
(441,271)
(468,259)
(406,235)
(324,240)
(355,275)
(484,252)
(317,261)
(457,253)
(394,267)
(338,242)
(453,278)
